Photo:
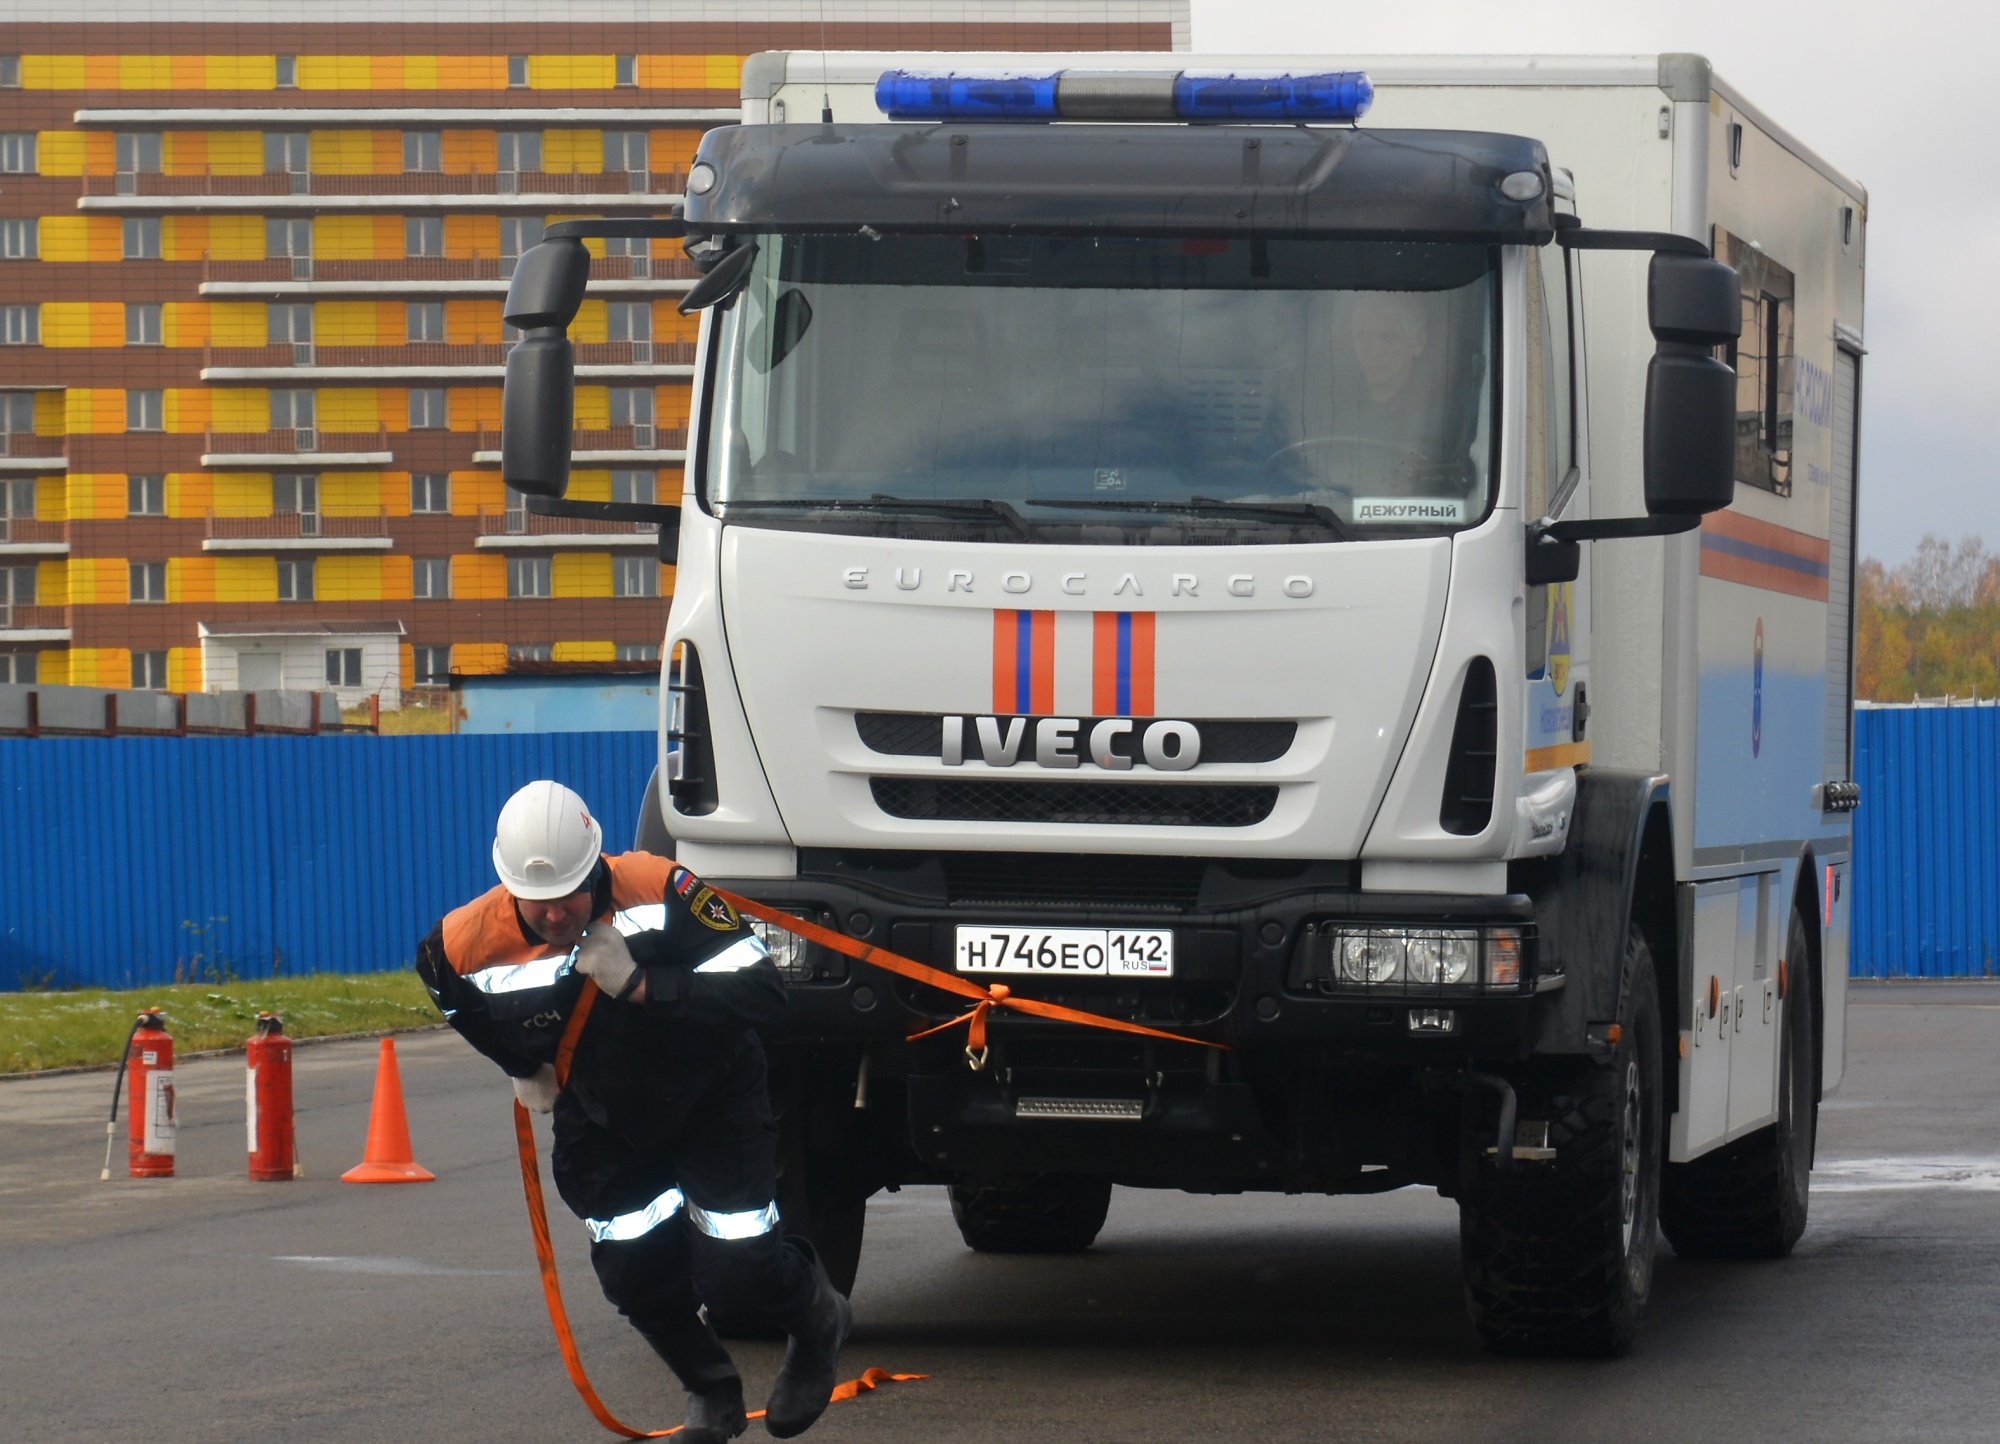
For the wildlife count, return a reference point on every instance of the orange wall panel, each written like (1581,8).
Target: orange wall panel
(472,235)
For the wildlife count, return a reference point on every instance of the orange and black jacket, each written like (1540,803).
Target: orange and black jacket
(637,1067)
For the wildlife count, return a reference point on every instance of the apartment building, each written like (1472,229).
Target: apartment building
(252,256)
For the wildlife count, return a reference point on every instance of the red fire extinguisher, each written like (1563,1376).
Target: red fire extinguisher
(268,1091)
(149,1070)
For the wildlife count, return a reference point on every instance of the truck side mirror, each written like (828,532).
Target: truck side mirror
(728,276)
(538,405)
(1693,306)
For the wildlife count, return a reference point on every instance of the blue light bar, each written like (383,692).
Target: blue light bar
(965,95)
(1339,95)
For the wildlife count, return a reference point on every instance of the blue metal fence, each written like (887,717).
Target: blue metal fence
(133,861)
(1927,842)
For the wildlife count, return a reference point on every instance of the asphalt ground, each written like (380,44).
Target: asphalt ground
(209,1308)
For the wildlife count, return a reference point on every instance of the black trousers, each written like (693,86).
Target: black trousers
(692,1219)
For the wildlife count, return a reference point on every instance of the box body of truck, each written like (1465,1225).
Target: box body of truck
(1333,769)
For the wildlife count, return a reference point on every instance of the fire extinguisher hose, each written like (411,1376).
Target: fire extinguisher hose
(118,1083)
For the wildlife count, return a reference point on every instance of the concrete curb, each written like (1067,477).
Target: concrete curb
(224,1052)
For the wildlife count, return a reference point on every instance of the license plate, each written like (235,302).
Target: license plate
(1067,952)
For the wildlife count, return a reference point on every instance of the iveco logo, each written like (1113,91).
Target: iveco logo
(1116,744)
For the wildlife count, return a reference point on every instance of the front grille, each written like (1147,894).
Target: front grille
(921,734)
(1111,881)
(1135,804)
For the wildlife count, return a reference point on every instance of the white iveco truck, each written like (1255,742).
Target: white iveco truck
(1367,585)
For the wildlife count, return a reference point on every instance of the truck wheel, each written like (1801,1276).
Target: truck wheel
(1748,1198)
(1030,1213)
(1558,1256)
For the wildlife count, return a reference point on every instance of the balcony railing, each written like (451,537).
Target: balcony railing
(437,268)
(404,183)
(26,616)
(614,438)
(441,353)
(26,443)
(27,529)
(519,521)
(295,440)
(288,525)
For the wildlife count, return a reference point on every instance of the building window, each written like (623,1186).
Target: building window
(149,671)
(527,577)
(139,153)
(145,496)
(625,69)
(531,652)
(290,322)
(433,666)
(20,325)
(628,246)
(427,410)
(17,500)
(294,411)
(629,320)
(625,150)
(287,152)
(142,238)
(10,72)
(343,666)
(288,238)
(423,151)
(635,577)
(17,413)
(288,72)
(520,150)
(17,668)
(633,486)
(295,581)
(423,236)
(145,411)
(296,495)
(17,587)
(143,325)
(17,153)
(430,579)
(517,72)
(430,493)
(517,234)
(20,240)
(638,651)
(632,406)
(425,321)
(148,582)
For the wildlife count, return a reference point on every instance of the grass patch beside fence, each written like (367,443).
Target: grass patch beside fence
(88,1026)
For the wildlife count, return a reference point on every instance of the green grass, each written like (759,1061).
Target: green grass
(88,1026)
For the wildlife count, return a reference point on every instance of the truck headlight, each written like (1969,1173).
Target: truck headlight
(1443,957)
(1336,956)
(788,950)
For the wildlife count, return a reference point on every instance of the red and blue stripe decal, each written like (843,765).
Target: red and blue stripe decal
(1024,663)
(1737,548)
(1121,669)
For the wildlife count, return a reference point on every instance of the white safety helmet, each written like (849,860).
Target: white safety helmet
(546,842)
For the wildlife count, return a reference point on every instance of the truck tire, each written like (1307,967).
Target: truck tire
(1030,1213)
(1748,1199)
(1558,1256)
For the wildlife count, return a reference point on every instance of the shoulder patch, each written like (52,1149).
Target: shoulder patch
(712,910)
(683,881)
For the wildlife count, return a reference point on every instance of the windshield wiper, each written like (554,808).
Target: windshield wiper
(1210,506)
(882,501)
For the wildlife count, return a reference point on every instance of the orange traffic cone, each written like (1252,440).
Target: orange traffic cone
(387,1158)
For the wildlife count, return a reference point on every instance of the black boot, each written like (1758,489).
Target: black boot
(714,1389)
(805,1383)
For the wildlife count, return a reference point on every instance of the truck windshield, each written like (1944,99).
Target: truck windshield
(1120,391)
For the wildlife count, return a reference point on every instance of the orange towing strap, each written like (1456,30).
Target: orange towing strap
(985,999)
(545,1255)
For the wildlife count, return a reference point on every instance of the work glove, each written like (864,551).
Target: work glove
(538,1090)
(603,957)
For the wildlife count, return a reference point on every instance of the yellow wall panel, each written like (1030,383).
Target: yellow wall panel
(420,72)
(344,577)
(98,581)
(590,485)
(591,322)
(239,323)
(473,408)
(672,150)
(184,672)
(190,493)
(344,238)
(185,323)
(184,238)
(593,408)
(240,408)
(580,574)
(350,493)
(52,667)
(96,497)
(236,152)
(52,498)
(479,577)
(184,152)
(240,72)
(246,579)
(100,667)
(396,584)
(356,408)
(52,583)
(466,323)
(93,411)
(584,652)
(470,152)
(51,413)
(571,72)
(667,572)
(236,238)
(61,152)
(146,72)
(479,659)
(472,235)
(342,152)
(242,493)
(335,72)
(573,152)
(74,323)
(190,409)
(82,238)
(191,579)
(345,323)
(691,72)
(477,493)
(53,72)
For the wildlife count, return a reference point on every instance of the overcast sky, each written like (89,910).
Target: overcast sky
(1899,96)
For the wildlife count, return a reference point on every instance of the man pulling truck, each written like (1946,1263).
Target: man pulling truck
(664,1141)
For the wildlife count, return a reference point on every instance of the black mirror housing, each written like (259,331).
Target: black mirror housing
(537,414)
(548,285)
(1693,302)
(1690,442)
